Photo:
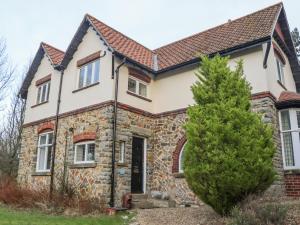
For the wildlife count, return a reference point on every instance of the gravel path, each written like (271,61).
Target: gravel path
(178,216)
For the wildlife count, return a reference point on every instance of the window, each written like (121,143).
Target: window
(290,135)
(89,74)
(181,160)
(137,87)
(85,152)
(280,72)
(122,152)
(43,93)
(44,152)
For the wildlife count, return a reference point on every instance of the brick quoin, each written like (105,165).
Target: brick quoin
(84,136)
(292,185)
(176,154)
(45,126)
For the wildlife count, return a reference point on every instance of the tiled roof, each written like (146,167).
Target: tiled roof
(246,29)
(53,53)
(123,44)
(289,96)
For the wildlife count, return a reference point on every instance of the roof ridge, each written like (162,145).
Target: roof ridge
(51,46)
(209,29)
(88,15)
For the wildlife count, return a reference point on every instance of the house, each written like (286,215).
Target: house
(109,111)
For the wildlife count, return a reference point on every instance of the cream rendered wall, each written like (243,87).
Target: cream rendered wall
(272,77)
(172,91)
(102,92)
(47,109)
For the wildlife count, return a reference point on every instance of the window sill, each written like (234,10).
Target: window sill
(42,103)
(138,96)
(91,85)
(292,171)
(82,165)
(282,85)
(178,175)
(46,173)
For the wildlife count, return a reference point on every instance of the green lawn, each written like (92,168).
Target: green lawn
(17,217)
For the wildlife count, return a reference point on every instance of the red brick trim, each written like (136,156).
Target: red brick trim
(265,94)
(84,136)
(278,53)
(292,185)
(88,58)
(43,80)
(176,154)
(45,126)
(139,75)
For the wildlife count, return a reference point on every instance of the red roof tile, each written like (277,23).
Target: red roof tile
(289,96)
(53,53)
(123,44)
(234,33)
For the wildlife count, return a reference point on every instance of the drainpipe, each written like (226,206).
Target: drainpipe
(61,68)
(115,113)
(265,63)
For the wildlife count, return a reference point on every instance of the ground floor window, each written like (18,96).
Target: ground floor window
(290,136)
(181,159)
(44,152)
(84,152)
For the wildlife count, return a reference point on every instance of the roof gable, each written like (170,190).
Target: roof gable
(54,55)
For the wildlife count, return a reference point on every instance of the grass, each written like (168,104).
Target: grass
(17,217)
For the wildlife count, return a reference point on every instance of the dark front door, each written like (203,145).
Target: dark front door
(137,165)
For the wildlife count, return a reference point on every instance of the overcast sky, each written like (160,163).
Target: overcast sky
(24,24)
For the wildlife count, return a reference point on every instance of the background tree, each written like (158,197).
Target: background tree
(296,40)
(229,149)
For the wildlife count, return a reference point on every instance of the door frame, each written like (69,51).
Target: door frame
(144,161)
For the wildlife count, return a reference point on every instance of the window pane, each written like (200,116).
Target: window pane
(96,70)
(89,74)
(49,158)
(81,77)
(288,149)
(122,152)
(38,95)
(91,152)
(285,120)
(298,118)
(48,91)
(41,160)
(142,90)
(281,72)
(131,85)
(181,166)
(43,139)
(278,69)
(50,138)
(80,152)
(44,93)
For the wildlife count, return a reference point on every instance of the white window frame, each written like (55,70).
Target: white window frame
(280,70)
(295,131)
(46,153)
(180,169)
(122,152)
(86,143)
(40,88)
(137,87)
(93,81)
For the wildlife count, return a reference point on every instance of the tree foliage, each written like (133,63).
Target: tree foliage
(296,39)
(229,149)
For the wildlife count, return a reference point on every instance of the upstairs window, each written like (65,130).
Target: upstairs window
(43,93)
(137,87)
(89,74)
(85,152)
(290,135)
(44,152)
(280,71)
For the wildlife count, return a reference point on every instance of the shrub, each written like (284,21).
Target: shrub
(229,149)
(12,194)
